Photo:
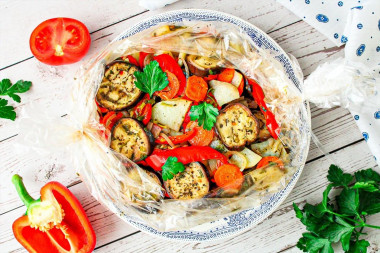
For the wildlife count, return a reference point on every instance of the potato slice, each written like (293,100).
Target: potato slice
(171,113)
(224,92)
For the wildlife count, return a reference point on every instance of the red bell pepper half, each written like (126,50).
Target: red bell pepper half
(258,95)
(185,155)
(54,223)
(167,63)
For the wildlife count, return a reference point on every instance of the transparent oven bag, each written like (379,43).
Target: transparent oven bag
(128,189)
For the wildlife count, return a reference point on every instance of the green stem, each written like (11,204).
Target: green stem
(343,216)
(371,226)
(21,190)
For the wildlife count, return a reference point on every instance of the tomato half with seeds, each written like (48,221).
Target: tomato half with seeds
(59,41)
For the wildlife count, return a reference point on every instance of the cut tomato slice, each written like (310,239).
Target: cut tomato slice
(59,41)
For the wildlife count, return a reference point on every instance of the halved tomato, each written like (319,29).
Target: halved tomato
(59,41)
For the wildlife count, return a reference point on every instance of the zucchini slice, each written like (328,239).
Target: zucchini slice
(236,126)
(192,183)
(129,138)
(118,90)
(201,65)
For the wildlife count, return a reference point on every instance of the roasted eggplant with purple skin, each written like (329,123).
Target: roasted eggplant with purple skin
(201,65)
(237,126)
(192,183)
(129,138)
(117,90)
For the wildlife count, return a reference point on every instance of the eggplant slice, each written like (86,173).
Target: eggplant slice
(129,138)
(192,183)
(118,90)
(236,126)
(201,65)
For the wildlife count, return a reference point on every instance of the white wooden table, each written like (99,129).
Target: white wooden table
(334,127)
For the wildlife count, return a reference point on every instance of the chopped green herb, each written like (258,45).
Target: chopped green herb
(171,168)
(345,221)
(152,79)
(205,114)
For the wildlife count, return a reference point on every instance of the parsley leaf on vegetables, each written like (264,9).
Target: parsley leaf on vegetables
(345,221)
(171,168)
(7,89)
(205,114)
(152,79)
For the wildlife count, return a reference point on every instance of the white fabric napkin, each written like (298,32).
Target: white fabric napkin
(353,82)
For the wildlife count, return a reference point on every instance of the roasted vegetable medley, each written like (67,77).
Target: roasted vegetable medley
(202,129)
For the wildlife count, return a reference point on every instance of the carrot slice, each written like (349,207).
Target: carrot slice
(226,75)
(171,90)
(269,160)
(202,136)
(229,176)
(196,88)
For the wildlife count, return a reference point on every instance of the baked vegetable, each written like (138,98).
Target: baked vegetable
(264,134)
(271,147)
(223,92)
(171,113)
(236,126)
(189,184)
(118,90)
(129,138)
(266,177)
(252,157)
(201,65)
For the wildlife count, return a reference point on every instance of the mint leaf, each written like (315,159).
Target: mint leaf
(152,79)
(7,111)
(348,202)
(337,177)
(367,175)
(7,89)
(171,168)
(313,244)
(359,246)
(205,114)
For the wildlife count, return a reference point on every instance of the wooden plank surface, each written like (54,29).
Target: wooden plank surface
(334,127)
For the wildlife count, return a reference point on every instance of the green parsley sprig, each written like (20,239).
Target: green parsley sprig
(345,221)
(205,114)
(152,79)
(7,89)
(171,168)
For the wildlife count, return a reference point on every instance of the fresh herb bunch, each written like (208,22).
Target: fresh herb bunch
(345,221)
(7,89)
(171,168)
(205,114)
(152,79)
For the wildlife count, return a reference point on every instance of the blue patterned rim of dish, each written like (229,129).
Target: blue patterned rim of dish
(239,222)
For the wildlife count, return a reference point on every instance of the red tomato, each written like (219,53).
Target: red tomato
(59,41)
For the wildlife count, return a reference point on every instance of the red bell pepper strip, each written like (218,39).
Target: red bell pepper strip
(258,95)
(110,119)
(143,110)
(132,60)
(142,59)
(177,139)
(210,77)
(100,109)
(185,155)
(168,63)
(55,223)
